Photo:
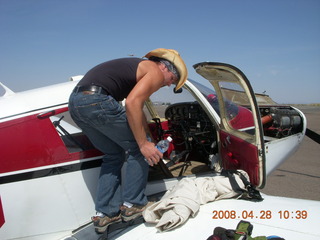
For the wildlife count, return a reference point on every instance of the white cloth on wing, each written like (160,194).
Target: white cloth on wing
(185,198)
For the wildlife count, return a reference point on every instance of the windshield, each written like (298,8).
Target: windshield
(210,95)
(238,117)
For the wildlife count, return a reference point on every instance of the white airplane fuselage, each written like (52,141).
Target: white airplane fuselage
(48,190)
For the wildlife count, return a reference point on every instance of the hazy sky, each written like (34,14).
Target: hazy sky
(276,43)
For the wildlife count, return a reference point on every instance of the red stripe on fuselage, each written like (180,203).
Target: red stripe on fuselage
(32,141)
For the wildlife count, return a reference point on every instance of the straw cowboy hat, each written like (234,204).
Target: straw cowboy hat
(174,57)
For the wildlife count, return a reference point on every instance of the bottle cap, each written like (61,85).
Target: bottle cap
(169,139)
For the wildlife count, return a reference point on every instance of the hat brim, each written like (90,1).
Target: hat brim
(174,57)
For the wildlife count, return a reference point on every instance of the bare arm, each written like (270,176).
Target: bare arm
(147,83)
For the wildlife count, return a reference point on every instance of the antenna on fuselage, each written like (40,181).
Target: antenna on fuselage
(76,78)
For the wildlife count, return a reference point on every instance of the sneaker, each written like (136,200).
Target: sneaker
(133,212)
(101,223)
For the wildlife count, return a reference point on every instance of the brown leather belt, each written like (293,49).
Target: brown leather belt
(91,89)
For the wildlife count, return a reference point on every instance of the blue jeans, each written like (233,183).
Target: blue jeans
(105,123)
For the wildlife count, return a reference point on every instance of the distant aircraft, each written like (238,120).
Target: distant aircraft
(49,168)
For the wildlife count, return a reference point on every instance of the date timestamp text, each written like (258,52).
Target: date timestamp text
(263,214)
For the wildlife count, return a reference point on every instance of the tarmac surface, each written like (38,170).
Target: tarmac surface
(299,176)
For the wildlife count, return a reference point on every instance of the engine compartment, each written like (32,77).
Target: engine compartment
(279,122)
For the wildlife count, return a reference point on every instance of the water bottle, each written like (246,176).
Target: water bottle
(163,145)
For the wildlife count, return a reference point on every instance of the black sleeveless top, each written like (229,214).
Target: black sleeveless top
(117,77)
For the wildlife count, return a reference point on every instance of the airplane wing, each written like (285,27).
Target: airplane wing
(289,218)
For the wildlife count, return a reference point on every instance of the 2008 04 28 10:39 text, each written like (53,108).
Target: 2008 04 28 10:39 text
(263,214)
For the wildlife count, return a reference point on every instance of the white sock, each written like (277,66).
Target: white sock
(100,214)
(127,204)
